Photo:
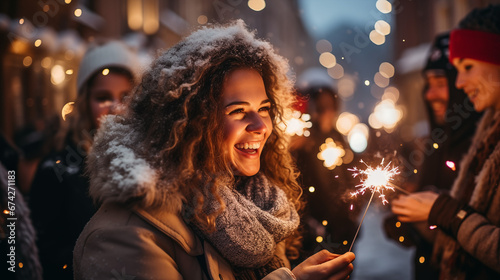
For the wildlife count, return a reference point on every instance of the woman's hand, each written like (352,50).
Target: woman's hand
(325,265)
(414,207)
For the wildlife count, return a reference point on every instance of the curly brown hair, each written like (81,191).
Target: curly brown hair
(178,110)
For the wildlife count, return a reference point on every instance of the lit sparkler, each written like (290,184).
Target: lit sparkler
(376,180)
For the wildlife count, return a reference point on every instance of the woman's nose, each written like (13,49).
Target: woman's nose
(460,82)
(256,124)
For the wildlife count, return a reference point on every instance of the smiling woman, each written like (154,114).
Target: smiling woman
(195,181)
(247,123)
(467,245)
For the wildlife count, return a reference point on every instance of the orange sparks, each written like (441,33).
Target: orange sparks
(451,165)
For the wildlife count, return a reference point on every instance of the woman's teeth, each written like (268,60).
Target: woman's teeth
(246,146)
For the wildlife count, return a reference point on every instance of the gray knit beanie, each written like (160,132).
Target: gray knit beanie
(110,54)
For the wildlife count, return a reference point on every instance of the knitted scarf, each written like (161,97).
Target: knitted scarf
(258,215)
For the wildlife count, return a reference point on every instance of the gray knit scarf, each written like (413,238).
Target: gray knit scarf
(257,216)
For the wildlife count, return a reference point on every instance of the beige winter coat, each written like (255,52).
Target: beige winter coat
(130,243)
(134,244)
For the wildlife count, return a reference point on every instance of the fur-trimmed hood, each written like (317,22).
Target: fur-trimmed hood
(118,172)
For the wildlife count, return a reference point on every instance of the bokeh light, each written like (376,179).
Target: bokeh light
(358,137)
(384,6)
(327,59)
(257,5)
(345,122)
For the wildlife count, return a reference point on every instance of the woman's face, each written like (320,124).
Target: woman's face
(480,81)
(106,95)
(246,120)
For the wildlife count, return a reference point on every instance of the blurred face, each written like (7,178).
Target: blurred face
(437,95)
(480,81)
(247,123)
(106,95)
(324,112)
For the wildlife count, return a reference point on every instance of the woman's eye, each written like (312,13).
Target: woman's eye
(467,67)
(265,109)
(237,111)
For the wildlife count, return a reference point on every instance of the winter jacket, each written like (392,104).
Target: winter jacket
(468,244)
(122,242)
(125,240)
(60,208)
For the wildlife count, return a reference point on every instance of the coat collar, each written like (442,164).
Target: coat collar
(173,226)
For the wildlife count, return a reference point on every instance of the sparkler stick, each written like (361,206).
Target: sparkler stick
(399,188)
(357,231)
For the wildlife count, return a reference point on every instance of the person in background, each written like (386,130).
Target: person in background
(16,228)
(59,200)
(452,122)
(467,244)
(195,181)
(327,213)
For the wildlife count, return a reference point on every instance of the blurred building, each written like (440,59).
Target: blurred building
(43,41)
(416,25)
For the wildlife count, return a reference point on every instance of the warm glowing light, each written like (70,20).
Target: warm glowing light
(352,206)
(105,71)
(69,72)
(6,212)
(67,109)
(433,227)
(358,137)
(346,87)
(377,38)
(21,265)
(367,83)
(21,21)
(386,69)
(46,62)
(78,12)
(134,14)
(385,114)
(421,259)
(435,145)
(151,21)
(451,165)
(27,61)
(46,8)
(67,1)
(336,71)
(65,266)
(58,161)
(398,224)
(38,43)
(384,6)
(319,239)
(401,239)
(376,180)
(345,242)
(345,122)
(380,80)
(331,154)
(311,189)
(57,75)
(323,46)
(257,5)
(324,222)
(203,19)
(295,123)
(391,93)
(415,171)
(382,27)
(327,59)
